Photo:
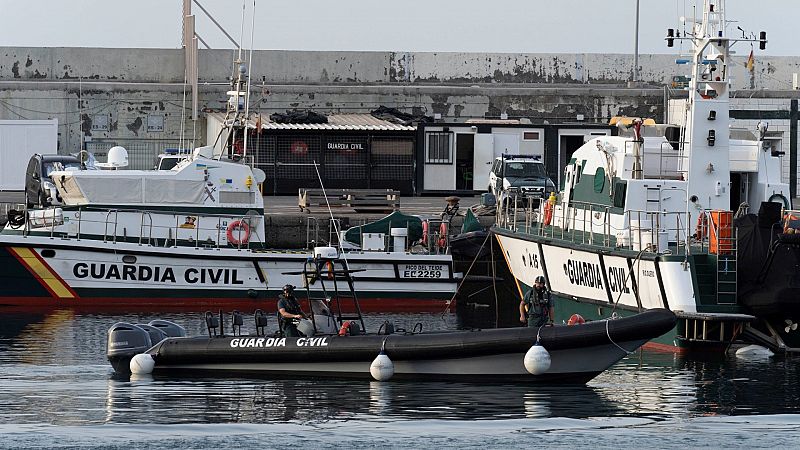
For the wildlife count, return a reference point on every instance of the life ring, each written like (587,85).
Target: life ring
(548,213)
(702,226)
(345,330)
(239,239)
(238,147)
(424,232)
(442,235)
(576,319)
(329,265)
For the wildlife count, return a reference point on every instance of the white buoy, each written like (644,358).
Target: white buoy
(142,364)
(753,352)
(537,359)
(382,368)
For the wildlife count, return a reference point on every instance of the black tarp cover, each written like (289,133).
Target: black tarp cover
(302,117)
(767,287)
(396,116)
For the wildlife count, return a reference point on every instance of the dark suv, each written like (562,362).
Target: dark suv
(39,188)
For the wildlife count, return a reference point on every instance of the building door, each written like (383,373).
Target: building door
(567,144)
(482,162)
(465,152)
(506,143)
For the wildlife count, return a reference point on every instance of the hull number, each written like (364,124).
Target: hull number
(422,271)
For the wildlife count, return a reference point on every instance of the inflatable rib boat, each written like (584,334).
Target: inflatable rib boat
(577,353)
(335,346)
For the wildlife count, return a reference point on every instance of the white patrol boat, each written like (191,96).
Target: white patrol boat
(186,236)
(644,220)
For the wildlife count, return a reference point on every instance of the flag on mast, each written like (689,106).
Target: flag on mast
(750,64)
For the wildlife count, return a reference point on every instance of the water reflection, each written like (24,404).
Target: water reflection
(279,401)
(53,370)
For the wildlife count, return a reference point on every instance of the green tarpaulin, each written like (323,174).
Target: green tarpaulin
(393,220)
(471,223)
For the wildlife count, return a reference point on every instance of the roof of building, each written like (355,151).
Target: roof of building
(358,122)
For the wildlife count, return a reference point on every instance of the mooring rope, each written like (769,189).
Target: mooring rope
(458,288)
(608,334)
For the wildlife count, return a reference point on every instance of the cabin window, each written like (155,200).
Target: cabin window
(599,179)
(439,149)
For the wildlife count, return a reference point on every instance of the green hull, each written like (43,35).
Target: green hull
(716,339)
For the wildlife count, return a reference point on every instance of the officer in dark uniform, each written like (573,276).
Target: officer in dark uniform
(536,306)
(289,312)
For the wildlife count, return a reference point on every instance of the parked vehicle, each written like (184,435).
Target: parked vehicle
(521,173)
(39,188)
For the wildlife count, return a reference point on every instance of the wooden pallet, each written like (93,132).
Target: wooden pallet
(361,200)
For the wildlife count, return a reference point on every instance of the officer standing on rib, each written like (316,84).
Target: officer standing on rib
(289,312)
(536,306)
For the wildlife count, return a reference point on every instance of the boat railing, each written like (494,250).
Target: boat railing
(313,232)
(148,234)
(598,225)
(142,225)
(116,220)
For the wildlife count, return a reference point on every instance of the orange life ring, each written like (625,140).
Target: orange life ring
(576,319)
(345,330)
(238,147)
(548,213)
(442,235)
(424,232)
(329,264)
(238,239)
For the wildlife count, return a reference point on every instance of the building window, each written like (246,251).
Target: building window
(530,136)
(439,149)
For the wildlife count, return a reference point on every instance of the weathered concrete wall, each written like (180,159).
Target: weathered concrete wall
(125,107)
(78,86)
(279,66)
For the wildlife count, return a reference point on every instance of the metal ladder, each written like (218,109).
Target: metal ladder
(726,263)
(330,274)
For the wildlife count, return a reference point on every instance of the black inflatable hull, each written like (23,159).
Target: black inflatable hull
(578,353)
(470,246)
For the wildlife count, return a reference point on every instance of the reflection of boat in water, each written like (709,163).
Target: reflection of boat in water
(574,354)
(281,400)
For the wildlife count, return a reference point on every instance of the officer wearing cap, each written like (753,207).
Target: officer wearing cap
(536,306)
(289,312)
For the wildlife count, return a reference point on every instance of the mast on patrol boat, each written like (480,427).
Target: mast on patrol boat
(705,160)
(238,107)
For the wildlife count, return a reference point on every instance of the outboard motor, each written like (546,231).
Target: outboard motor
(156,335)
(124,342)
(171,329)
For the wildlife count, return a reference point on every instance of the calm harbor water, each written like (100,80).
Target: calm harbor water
(57,390)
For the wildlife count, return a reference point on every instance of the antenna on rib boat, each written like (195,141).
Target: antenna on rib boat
(330,213)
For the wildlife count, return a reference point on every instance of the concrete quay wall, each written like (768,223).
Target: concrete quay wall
(353,67)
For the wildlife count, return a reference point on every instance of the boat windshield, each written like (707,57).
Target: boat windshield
(524,169)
